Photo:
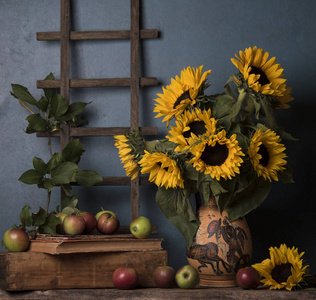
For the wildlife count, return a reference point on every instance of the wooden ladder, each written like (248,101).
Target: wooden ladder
(65,35)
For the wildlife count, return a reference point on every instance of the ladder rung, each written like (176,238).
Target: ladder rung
(104,82)
(97,35)
(100,131)
(120,180)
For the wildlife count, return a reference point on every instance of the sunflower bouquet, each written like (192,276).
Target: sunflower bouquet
(226,145)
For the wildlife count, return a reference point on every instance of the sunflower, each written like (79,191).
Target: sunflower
(262,75)
(283,100)
(217,156)
(284,268)
(267,154)
(162,169)
(180,93)
(189,126)
(130,166)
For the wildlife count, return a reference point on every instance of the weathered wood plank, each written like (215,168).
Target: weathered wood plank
(100,131)
(97,35)
(98,82)
(39,271)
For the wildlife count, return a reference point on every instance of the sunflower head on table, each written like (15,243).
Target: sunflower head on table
(227,144)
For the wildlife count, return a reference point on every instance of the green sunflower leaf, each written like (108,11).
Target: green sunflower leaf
(77,108)
(54,161)
(250,198)
(176,207)
(43,104)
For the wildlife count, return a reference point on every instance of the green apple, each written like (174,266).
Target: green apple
(141,227)
(187,277)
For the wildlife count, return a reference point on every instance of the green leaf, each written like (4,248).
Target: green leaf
(37,123)
(25,217)
(39,218)
(31,177)
(176,207)
(48,184)
(54,161)
(70,202)
(58,106)
(222,106)
(88,178)
(249,199)
(39,165)
(64,173)
(286,175)
(50,224)
(50,92)
(20,92)
(77,108)
(73,151)
(43,104)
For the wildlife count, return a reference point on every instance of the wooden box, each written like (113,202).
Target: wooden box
(40,271)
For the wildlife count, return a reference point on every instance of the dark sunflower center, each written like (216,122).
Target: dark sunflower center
(215,156)
(282,272)
(263,77)
(196,127)
(183,96)
(263,151)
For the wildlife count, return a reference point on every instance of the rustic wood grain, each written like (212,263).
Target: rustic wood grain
(39,271)
(98,82)
(97,35)
(99,131)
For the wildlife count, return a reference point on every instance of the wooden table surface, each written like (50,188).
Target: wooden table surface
(166,294)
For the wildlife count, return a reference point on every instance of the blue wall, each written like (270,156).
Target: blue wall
(192,33)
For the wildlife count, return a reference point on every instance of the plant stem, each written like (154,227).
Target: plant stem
(48,201)
(49,144)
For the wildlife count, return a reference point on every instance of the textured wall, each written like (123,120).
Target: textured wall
(192,33)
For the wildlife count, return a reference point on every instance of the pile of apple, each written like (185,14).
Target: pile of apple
(85,222)
(186,277)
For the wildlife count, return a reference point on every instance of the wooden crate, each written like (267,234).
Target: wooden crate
(21,271)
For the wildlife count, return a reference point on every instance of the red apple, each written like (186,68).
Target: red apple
(91,221)
(74,224)
(59,228)
(125,278)
(16,240)
(248,278)
(165,277)
(108,223)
